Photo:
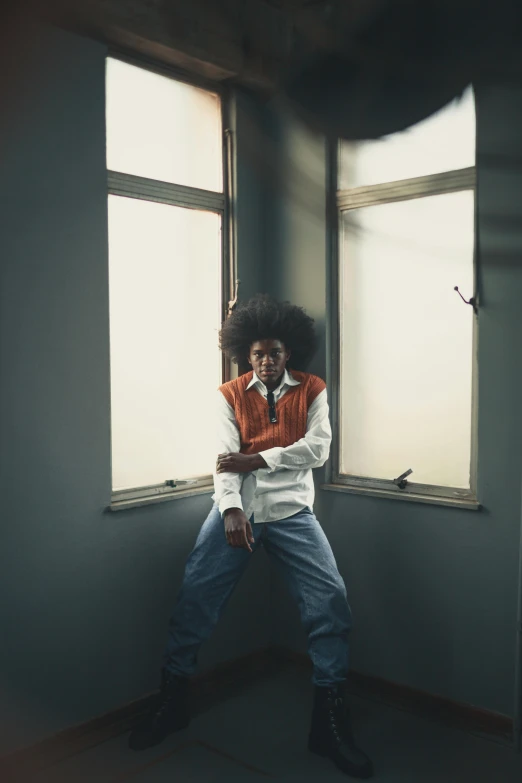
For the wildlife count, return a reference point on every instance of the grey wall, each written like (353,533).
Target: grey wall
(250,122)
(85,594)
(433,589)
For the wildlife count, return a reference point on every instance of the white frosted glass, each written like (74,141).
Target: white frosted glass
(443,142)
(162,129)
(165,315)
(406,340)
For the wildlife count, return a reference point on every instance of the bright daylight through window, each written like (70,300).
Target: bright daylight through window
(405,337)
(165,208)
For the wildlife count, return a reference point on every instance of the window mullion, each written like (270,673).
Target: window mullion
(402,190)
(131,186)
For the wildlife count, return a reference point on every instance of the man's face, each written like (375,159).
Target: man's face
(268,358)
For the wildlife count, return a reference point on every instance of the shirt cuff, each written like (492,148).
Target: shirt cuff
(231,500)
(272,457)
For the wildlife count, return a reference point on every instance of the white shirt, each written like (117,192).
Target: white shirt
(286,485)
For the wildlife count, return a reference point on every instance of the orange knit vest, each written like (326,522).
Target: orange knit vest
(251,409)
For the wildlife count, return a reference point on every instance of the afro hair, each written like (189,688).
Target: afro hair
(264,318)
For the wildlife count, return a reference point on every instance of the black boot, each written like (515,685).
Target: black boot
(331,734)
(170,713)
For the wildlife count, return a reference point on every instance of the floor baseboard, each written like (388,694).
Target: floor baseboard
(207,689)
(231,677)
(451,713)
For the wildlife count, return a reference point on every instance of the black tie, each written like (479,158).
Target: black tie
(271,407)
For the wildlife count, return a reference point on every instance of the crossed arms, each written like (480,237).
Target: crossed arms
(311,451)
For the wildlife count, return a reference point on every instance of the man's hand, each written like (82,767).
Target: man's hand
(239,463)
(238,529)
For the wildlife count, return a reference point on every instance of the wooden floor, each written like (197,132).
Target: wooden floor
(262,733)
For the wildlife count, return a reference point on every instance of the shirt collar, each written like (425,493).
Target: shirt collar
(286,379)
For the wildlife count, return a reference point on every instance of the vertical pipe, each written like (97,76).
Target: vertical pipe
(229,280)
(231,227)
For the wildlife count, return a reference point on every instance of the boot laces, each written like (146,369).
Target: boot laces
(337,719)
(163,707)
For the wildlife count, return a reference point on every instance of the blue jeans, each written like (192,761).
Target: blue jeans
(300,551)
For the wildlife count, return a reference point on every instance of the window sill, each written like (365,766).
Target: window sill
(122,505)
(468,504)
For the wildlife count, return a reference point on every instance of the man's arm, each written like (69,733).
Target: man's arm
(313,450)
(227,485)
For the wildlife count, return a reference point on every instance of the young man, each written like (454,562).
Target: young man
(273,429)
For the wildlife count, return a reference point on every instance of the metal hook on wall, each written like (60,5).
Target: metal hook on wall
(472,301)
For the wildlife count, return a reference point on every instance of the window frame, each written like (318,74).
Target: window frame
(222,203)
(339,201)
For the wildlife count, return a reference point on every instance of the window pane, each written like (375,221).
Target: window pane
(165,314)
(443,142)
(162,129)
(406,340)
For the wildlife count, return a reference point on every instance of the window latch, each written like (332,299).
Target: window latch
(174,482)
(401,481)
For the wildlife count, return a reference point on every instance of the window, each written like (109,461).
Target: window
(404,339)
(165,212)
